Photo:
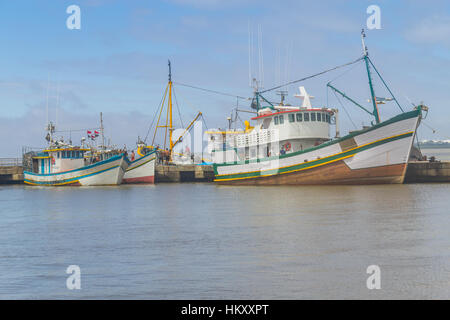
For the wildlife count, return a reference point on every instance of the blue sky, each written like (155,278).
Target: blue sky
(117,62)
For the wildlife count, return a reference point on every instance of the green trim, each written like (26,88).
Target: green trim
(400,117)
(66,181)
(372,91)
(348,98)
(139,165)
(314,163)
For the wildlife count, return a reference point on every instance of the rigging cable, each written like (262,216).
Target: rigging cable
(314,75)
(211,91)
(154,117)
(178,108)
(342,105)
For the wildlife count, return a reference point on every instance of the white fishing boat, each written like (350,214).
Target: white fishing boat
(62,164)
(293,145)
(141,169)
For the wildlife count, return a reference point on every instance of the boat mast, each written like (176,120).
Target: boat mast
(101,131)
(170,112)
(376,114)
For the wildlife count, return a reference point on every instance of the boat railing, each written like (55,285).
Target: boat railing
(10,162)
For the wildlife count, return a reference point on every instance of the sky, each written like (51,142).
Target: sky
(117,62)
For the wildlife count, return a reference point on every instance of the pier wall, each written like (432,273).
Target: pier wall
(417,172)
(183,173)
(425,171)
(11,174)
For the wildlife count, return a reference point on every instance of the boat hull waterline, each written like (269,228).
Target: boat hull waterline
(378,155)
(107,172)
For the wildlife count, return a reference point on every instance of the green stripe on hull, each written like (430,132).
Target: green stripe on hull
(400,117)
(67,181)
(310,164)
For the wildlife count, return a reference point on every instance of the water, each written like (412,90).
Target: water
(203,241)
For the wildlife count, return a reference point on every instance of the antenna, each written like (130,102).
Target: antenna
(170,71)
(101,130)
(283,95)
(363,35)
(57,104)
(260,57)
(249,57)
(46,105)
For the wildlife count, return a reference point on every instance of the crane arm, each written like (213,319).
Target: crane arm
(187,129)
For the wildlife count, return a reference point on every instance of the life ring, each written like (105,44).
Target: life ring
(53,161)
(287,146)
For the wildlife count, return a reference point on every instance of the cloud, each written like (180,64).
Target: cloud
(28,129)
(212,4)
(431,30)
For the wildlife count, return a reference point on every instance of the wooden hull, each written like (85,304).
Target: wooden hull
(378,155)
(335,173)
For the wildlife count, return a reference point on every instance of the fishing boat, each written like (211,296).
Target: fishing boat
(62,164)
(291,145)
(141,169)
(174,149)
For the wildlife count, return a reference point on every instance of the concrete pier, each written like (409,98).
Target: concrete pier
(11,171)
(426,171)
(183,173)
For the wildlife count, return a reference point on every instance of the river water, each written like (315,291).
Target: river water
(203,241)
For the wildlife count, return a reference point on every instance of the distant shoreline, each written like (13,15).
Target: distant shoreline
(433,146)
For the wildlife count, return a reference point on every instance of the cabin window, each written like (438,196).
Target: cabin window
(313,116)
(78,154)
(319,116)
(299,117)
(266,123)
(63,154)
(328,118)
(276,119)
(306,117)
(281,119)
(291,117)
(58,155)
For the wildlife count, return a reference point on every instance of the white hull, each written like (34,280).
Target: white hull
(141,170)
(378,155)
(107,172)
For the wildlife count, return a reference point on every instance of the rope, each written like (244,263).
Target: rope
(211,91)
(178,108)
(342,105)
(154,117)
(314,75)
(382,80)
(204,121)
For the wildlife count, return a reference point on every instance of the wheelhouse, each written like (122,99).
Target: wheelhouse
(58,160)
